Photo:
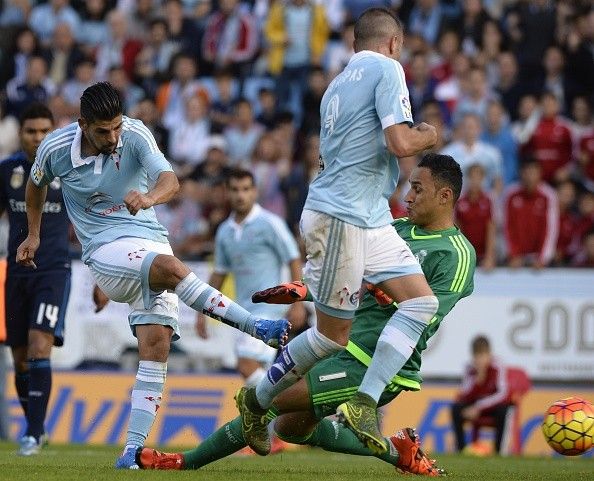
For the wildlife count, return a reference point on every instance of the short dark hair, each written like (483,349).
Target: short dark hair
(480,344)
(36,110)
(445,171)
(239,174)
(374,24)
(100,101)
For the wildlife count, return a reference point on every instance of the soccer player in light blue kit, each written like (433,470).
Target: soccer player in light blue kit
(112,175)
(366,123)
(253,245)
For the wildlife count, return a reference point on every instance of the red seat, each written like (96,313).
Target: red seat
(518,384)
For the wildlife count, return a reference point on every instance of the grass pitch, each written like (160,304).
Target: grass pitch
(81,463)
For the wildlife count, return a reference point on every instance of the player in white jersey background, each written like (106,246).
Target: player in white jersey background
(254,245)
(366,123)
(112,174)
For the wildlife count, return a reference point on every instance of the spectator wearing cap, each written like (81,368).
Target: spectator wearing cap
(551,142)
(243,134)
(297,32)
(45,17)
(230,38)
(498,134)
(531,219)
(469,149)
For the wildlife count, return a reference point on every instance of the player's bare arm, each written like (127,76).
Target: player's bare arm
(34,198)
(166,187)
(404,141)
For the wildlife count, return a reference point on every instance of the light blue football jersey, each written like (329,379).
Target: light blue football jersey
(357,172)
(255,252)
(94,187)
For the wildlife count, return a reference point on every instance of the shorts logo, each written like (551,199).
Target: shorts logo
(346,296)
(282,365)
(136,254)
(17,177)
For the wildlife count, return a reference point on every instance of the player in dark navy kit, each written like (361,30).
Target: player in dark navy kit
(35,299)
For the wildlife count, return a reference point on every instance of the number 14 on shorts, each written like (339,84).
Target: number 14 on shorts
(49,312)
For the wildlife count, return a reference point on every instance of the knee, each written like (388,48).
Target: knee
(336,333)
(167,271)
(291,431)
(39,345)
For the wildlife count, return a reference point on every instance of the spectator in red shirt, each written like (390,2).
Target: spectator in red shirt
(474,216)
(484,391)
(531,219)
(568,222)
(551,142)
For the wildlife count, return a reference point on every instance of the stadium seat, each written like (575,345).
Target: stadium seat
(518,385)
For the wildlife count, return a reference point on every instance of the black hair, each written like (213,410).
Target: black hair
(284,117)
(100,101)
(444,170)
(375,24)
(36,110)
(239,174)
(480,344)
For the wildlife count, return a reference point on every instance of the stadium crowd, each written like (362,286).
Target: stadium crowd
(508,84)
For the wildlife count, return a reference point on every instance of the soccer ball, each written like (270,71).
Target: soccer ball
(568,426)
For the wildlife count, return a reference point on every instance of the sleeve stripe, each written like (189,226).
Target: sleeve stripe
(48,147)
(48,150)
(463,264)
(144,132)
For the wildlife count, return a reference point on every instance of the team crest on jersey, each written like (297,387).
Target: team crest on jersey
(420,256)
(18,177)
(55,184)
(406,109)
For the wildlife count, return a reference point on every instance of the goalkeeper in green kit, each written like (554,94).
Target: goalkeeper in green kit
(448,261)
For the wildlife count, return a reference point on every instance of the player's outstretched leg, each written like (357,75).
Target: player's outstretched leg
(254,424)
(360,415)
(287,293)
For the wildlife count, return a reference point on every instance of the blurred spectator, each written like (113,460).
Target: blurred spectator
(471,24)
(214,169)
(297,32)
(531,219)
(468,150)
(491,47)
(421,86)
(243,135)
(312,99)
(586,160)
(448,47)
(129,93)
(93,29)
(120,50)
(578,51)
(45,17)
(35,87)
(585,257)
(140,17)
(555,80)
(268,110)
(551,143)
(66,104)
(158,49)
(484,391)
(221,109)
(296,184)
(146,111)
(498,134)
(449,90)
(476,98)
(475,217)
(508,86)
(172,95)
(269,169)
(9,133)
(285,133)
(182,30)
(15,12)
(188,140)
(582,134)
(230,39)
(568,222)
(14,59)
(529,114)
(62,55)
(426,19)
(183,220)
(585,216)
(432,113)
(338,54)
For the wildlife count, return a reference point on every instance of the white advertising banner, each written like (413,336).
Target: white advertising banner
(542,321)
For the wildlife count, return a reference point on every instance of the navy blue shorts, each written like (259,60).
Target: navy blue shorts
(37,302)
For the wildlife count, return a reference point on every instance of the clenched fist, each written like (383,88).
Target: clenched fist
(136,201)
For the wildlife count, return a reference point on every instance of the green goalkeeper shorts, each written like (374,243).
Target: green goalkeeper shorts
(334,380)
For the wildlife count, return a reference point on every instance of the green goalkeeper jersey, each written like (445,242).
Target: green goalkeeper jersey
(448,261)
